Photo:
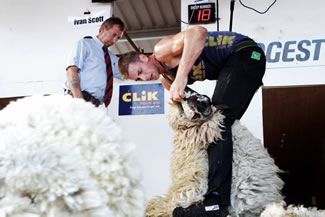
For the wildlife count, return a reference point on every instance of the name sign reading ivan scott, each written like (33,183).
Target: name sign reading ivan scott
(141,99)
(96,18)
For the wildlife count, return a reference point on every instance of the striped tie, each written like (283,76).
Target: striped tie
(109,84)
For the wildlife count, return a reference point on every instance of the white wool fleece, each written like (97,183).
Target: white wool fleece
(65,158)
(280,210)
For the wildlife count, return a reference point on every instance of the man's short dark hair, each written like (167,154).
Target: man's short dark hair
(108,23)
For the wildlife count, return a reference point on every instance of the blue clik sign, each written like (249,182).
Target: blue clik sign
(141,99)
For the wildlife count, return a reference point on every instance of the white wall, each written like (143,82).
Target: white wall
(36,39)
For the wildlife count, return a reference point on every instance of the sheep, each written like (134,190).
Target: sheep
(280,210)
(196,123)
(61,156)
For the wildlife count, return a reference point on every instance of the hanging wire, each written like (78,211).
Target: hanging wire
(255,9)
(260,12)
(217,1)
(189,20)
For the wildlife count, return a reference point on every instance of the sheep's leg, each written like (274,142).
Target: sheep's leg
(159,207)
(189,183)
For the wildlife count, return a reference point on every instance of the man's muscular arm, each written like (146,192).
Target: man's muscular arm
(74,82)
(181,49)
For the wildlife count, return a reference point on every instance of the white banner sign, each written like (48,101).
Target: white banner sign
(295,53)
(96,19)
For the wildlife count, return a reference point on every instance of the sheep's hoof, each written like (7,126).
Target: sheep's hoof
(158,207)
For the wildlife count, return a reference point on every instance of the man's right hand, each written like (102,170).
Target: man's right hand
(73,81)
(177,89)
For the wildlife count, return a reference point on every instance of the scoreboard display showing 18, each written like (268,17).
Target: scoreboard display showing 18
(201,13)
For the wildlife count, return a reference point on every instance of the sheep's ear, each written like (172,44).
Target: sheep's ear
(188,92)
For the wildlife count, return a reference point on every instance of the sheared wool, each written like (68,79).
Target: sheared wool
(280,210)
(61,156)
(255,180)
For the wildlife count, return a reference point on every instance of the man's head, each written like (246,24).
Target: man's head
(138,67)
(111,31)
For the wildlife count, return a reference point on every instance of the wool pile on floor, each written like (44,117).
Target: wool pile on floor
(63,157)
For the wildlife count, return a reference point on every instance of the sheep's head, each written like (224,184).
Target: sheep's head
(194,110)
(195,120)
(197,106)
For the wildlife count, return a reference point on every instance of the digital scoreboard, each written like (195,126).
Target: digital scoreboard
(201,13)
